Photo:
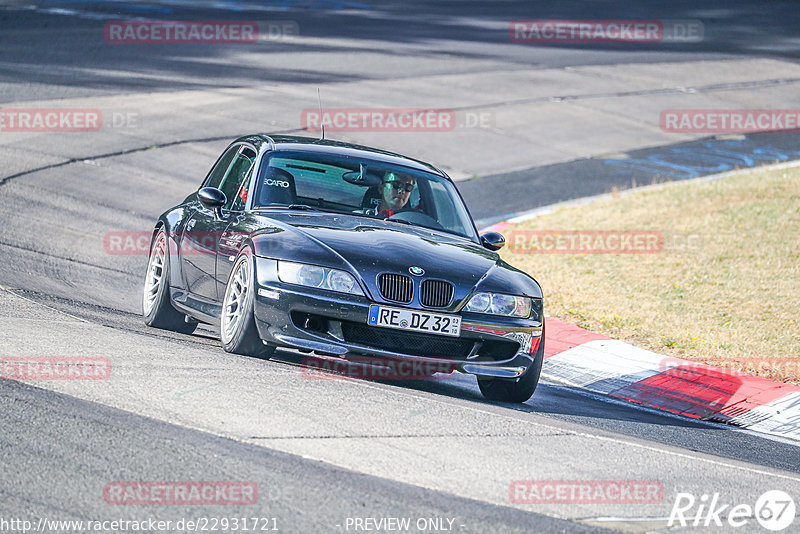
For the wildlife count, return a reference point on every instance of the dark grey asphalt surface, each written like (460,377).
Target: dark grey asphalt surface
(60,451)
(66,450)
(47,55)
(564,404)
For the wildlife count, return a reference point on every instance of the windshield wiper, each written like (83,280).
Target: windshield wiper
(401,221)
(293,207)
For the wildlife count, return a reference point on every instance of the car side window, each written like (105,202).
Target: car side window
(239,174)
(219,171)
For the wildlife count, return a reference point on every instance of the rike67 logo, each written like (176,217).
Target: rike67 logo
(774,510)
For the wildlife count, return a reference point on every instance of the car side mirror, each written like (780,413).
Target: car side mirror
(213,199)
(493,240)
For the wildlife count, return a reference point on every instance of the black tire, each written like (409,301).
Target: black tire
(520,390)
(157,309)
(241,336)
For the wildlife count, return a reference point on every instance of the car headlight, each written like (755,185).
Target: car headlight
(320,277)
(499,304)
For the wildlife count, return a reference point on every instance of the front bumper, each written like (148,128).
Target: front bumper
(335,324)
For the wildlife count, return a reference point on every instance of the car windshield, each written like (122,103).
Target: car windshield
(362,187)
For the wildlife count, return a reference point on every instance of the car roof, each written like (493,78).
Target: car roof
(327,146)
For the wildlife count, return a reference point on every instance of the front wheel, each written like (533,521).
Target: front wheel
(157,310)
(237,328)
(521,390)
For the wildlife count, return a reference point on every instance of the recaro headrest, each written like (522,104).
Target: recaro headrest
(277,187)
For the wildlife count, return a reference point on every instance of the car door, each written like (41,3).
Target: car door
(237,229)
(203,231)
(195,250)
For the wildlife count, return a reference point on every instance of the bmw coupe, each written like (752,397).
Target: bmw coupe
(344,251)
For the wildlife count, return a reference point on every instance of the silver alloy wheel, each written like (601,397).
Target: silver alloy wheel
(234,304)
(155,273)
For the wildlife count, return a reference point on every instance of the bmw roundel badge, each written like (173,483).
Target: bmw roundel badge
(416,271)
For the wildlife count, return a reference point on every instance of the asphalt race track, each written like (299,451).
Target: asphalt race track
(561,121)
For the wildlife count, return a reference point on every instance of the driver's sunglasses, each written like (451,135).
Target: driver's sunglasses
(399,186)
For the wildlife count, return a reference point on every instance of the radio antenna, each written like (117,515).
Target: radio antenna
(321,120)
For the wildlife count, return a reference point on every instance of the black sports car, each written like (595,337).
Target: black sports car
(347,251)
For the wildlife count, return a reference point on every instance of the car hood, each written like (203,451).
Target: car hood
(369,247)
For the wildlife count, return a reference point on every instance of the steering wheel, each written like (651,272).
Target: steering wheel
(417,217)
(372,212)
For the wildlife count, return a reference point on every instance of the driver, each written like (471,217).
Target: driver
(395,191)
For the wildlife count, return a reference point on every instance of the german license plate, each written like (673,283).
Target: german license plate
(414,320)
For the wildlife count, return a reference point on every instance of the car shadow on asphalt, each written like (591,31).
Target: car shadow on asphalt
(549,398)
(575,408)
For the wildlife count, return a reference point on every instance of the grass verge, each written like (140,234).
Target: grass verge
(706,271)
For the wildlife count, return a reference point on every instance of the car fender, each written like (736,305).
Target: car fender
(171,221)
